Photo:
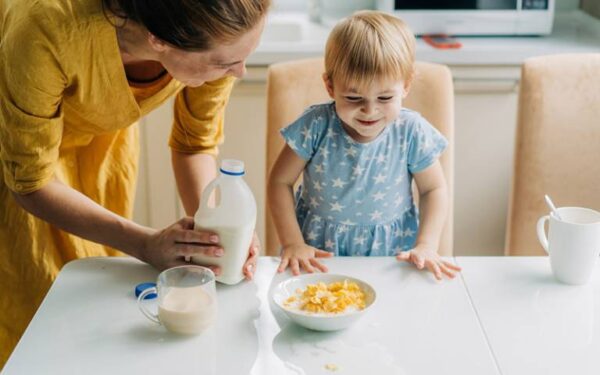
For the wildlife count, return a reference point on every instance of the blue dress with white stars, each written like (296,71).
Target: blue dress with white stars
(356,198)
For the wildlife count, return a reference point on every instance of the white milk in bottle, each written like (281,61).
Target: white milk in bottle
(233,219)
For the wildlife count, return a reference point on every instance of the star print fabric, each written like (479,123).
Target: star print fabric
(356,198)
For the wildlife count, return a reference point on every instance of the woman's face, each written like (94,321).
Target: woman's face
(195,68)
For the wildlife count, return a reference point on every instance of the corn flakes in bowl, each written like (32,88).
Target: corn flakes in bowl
(324,302)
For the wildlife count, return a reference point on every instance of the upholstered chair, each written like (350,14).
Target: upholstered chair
(557,150)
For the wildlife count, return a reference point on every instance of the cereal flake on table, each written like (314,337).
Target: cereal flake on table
(331,367)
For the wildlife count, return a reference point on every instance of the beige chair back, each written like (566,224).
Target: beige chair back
(293,86)
(557,150)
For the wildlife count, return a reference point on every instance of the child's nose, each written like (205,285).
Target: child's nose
(368,108)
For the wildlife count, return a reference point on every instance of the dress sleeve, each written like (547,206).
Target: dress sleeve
(425,145)
(303,135)
(32,83)
(198,117)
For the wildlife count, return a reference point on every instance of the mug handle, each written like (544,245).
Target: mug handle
(541,232)
(144,309)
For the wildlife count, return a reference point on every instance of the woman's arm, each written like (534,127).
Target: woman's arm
(75,213)
(192,173)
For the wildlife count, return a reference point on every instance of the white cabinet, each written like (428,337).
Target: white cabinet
(485,123)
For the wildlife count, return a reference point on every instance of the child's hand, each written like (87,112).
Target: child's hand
(302,255)
(422,256)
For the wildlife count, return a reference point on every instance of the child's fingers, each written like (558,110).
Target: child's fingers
(447,271)
(323,254)
(411,257)
(403,255)
(451,266)
(306,265)
(295,267)
(418,260)
(283,264)
(435,269)
(318,265)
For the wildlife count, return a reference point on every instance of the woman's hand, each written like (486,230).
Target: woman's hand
(302,255)
(253,252)
(423,256)
(170,247)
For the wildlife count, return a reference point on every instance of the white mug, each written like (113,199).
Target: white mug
(187,302)
(573,243)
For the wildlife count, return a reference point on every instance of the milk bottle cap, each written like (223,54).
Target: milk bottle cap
(143,286)
(232,167)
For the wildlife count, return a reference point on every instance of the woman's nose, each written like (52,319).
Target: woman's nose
(238,70)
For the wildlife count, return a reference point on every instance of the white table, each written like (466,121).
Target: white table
(534,324)
(89,323)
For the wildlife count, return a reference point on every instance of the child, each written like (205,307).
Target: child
(358,155)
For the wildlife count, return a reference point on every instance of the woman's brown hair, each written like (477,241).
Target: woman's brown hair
(194,25)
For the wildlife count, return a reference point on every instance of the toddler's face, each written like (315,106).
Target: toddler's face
(365,112)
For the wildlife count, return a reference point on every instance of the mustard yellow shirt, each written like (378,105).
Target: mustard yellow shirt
(67,111)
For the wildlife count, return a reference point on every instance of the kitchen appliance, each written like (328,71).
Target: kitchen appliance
(474,17)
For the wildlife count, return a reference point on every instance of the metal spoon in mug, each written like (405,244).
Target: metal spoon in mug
(551,205)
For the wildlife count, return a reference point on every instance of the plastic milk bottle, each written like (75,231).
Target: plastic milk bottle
(233,218)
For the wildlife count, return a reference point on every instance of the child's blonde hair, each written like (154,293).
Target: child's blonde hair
(370,45)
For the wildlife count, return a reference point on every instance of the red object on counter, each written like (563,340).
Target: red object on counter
(442,41)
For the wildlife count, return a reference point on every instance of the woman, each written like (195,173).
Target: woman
(75,77)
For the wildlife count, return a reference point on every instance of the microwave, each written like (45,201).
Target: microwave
(474,17)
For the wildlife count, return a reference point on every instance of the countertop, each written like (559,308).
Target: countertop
(290,36)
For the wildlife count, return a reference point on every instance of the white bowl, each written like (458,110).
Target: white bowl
(320,322)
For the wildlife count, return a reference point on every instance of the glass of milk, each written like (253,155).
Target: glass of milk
(187,302)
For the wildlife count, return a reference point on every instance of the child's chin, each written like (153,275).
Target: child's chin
(369,131)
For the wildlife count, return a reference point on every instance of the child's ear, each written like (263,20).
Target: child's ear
(157,44)
(328,84)
(407,84)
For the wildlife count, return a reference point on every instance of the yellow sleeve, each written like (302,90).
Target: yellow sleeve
(198,117)
(31,88)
